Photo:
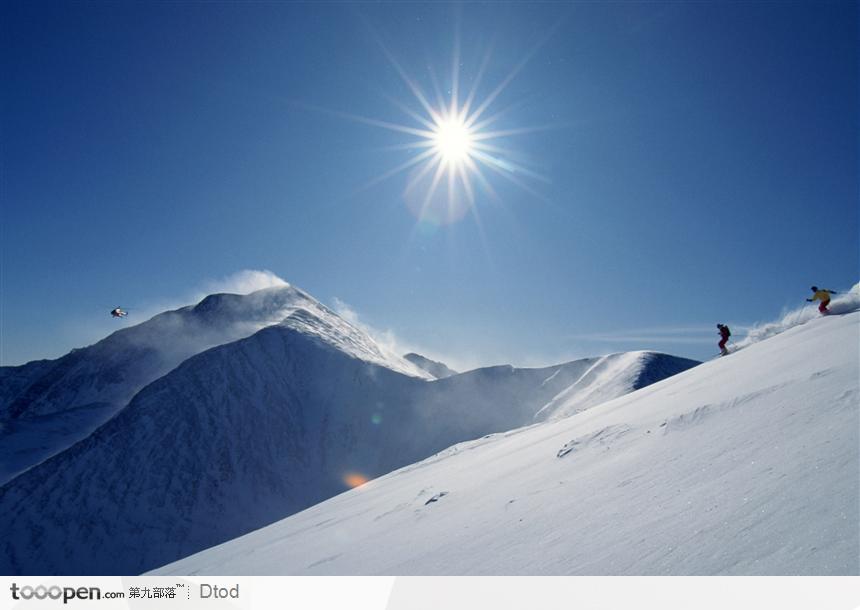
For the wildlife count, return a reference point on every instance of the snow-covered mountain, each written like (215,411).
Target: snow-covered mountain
(114,369)
(744,465)
(46,406)
(240,435)
(439,370)
(500,398)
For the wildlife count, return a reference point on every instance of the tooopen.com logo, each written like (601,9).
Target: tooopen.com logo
(58,593)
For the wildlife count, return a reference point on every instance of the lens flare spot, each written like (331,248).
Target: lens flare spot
(355,479)
(376,419)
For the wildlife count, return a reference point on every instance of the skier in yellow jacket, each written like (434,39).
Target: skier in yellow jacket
(823,295)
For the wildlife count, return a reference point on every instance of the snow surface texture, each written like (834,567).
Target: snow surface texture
(747,464)
(248,432)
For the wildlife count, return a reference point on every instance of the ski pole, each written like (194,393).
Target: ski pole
(799,316)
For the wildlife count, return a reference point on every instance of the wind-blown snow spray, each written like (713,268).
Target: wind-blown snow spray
(843,302)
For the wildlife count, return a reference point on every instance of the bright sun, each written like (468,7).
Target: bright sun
(453,140)
(455,146)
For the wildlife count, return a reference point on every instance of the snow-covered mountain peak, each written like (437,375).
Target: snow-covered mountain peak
(293,308)
(112,370)
(324,325)
(266,305)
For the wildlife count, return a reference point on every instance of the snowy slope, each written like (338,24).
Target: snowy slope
(246,433)
(46,406)
(744,465)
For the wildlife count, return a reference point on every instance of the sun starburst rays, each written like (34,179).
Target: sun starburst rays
(457,145)
(450,151)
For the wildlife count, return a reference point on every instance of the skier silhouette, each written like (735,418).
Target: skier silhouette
(725,333)
(118,313)
(823,295)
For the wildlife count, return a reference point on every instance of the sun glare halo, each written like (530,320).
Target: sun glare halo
(452,140)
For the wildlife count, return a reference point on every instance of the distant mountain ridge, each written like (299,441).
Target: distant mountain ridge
(438,369)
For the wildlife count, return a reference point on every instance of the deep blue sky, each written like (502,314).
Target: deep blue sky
(699,164)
